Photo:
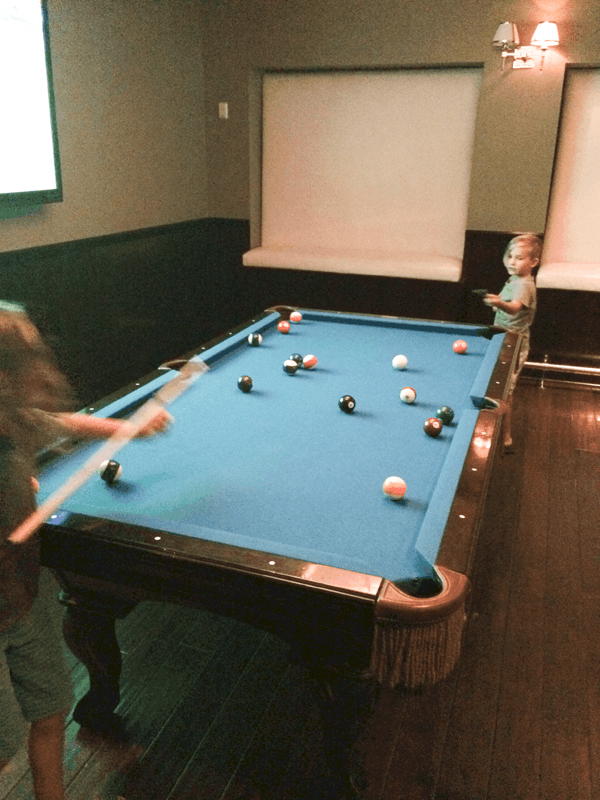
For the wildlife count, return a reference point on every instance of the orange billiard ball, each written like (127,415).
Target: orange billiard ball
(459,346)
(394,487)
(283,326)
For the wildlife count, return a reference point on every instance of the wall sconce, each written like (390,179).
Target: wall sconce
(545,36)
(507,37)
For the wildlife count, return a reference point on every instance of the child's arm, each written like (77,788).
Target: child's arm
(84,426)
(509,308)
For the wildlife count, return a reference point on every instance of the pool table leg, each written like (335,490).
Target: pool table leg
(92,639)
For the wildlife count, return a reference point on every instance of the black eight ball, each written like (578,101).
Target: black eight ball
(110,472)
(347,403)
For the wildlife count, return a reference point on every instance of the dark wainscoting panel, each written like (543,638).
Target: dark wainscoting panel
(115,307)
(567,328)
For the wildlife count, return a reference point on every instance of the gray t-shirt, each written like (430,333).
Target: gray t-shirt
(521,289)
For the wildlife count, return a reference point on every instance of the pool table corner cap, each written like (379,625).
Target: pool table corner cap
(394,605)
(282,310)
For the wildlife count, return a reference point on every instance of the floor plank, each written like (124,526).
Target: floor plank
(517,747)
(565,761)
(472,727)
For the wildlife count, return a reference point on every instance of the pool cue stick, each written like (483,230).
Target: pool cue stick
(165,395)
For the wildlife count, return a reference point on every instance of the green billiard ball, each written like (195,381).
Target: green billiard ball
(446,414)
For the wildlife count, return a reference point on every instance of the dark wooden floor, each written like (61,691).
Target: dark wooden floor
(216,711)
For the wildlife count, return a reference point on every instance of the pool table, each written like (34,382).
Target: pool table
(268,504)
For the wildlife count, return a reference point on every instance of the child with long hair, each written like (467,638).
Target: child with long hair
(35,409)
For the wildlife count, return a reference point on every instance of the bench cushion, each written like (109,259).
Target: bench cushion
(567,275)
(396,265)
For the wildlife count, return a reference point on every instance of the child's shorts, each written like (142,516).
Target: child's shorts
(523,355)
(34,679)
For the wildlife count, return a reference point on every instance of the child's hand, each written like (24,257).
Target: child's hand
(159,423)
(491,299)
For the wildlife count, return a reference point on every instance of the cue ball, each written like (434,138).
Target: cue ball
(408,395)
(309,362)
(347,403)
(254,339)
(399,362)
(459,346)
(245,383)
(296,316)
(394,487)
(110,471)
(290,366)
(446,414)
(433,427)
(283,326)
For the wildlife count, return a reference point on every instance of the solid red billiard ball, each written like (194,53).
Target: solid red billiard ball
(433,427)
(394,487)
(459,346)
(283,326)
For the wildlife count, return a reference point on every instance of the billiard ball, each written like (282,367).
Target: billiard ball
(446,414)
(254,339)
(283,326)
(309,362)
(394,487)
(347,403)
(296,316)
(245,383)
(433,427)
(408,395)
(290,366)
(459,346)
(297,358)
(399,362)
(110,471)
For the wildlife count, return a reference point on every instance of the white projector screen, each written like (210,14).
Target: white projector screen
(371,163)
(571,257)
(29,165)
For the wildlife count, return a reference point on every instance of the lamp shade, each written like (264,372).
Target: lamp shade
(546,35)
(507,35)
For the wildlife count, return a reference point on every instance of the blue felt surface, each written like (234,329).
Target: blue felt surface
(282,469)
